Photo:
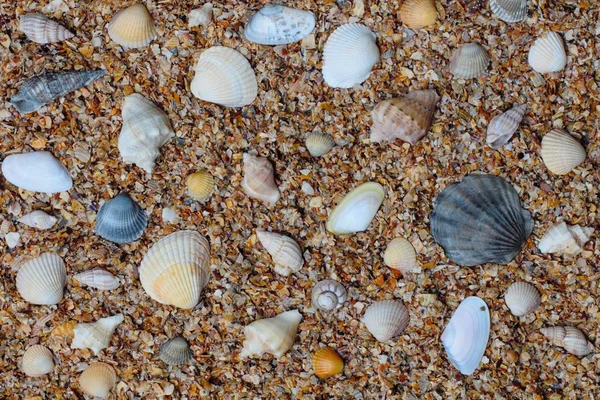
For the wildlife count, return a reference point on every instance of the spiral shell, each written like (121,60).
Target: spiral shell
(565,239)
(326,362)
(319,144)
(259,179)
(522,298)
(561,152)
(42,280)
(401,255)
(417,14)
(96,335)
(200,185)
(98,379)
(386,319)
(38,219)
(503,126)
(469,61)
(98,278)
(201,16)
(132,27)
(37,361)
(286,253)
(569,338)
(328,295)
(176,351)
(271,335)
(43,30)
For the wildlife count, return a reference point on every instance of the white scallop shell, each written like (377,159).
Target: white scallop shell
(37,171)
(271,335)
(561,152)
(319,144)
(509,10)
(285,251)
(38,219)
(565,239)
(328,295)
(132,27)
(259,179)
(386,319)
(569,338)
(98,278)
(503,126)
(275,24)
(42,280)
(469,61)
(95,336)
(401,255)
(356,210)
(522,298)
(547,54)
(98,379)
(37,361)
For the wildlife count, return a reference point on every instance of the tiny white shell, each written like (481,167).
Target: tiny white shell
(37,361)
(561,152)
(356,210)
(401,255)
(328,295)
(38,219)
(522,298)
(547,54)
(503,126)
(286,253)
(565,239)
(275,24)
(386,319)
(469,61)
(95,336)
(37,171)
(271,335)
(98,278)
(42,279)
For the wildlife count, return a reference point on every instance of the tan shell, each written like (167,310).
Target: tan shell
(522,298)
(328,295)
(66,329)
(417,14)
(43,30)
(386,319)
(259,179)
(271,335)
(561,152)
(469,61)
(95,336)
(38,219)
(401,255)
(503,126)
(42,280)
(98,278)
(200,16)
(98,379)
(286,253)
(326,362)
(37,361)
(176,351)
(200,185)
(565,239)
(319,144)
(132,27)
(569,338)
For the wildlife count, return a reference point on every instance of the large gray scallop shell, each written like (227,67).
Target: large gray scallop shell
(480,220)
(121,220)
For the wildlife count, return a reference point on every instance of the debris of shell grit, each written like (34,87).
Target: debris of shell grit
(82,131)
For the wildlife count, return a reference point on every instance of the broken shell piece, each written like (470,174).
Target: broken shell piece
(259,179)
(12,239)
(503,126)
(276,24)
(132,27)
(98,278)
(175,351)
(328,295)
(37,361)
(417,14)
(38,219)
(561,152)
(386,319)
(200,16)
(121,220)
(271,335)
(319,144)
(469,61)
(37,171)
(42,280)
(522,298)
(401,255)
(43,30)
(200,185)
(509,10)
(326,362)
(96,336)
(565,239)
(569,338)
(547,54)
(356,210)
(285,251)
(98,379)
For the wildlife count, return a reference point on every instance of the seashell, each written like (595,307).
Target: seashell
(565,239)
(12,239)
(356,210)
(42,280)
(176,269)
(469,61)
(40,90)
(561,152)
(145,129)
(480,220)
(176,351)
(37,171)
(569,338)
(200,185)
(407,118)
(275,24)
(503,126)
(38,219)
(95,336)
(37,361)
(271,335)
(326,362)
(121,220)
(349,55)
(509,10)
(319,144)
(98,278)
(98,379)
(386,319)
(466,335)
(401,255)
(224,76)
(548,54)
(286,253)
(201,16)
(66,329)
(132,27)
(328,295)
(259,179)
(417,14)
(43,30)
(522,298)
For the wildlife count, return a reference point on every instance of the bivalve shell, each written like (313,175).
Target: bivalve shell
(509,10)
(37,361)
(469,61)
(96,335)
(319,144)
(326,362)
(98,278)
(328,295)
(275,24)
(98,379)
(548,54)
(259,179)
(121,220)
(522,298)
(401,255)
(356,210)
(38,219)
(417,14)
(37,171)
(200,185)
(285,251)
(42,280)
(176,351)
(132,27)
(569,338)
(43,30)
(386,319)
(565,239)
(503,126)
(271,335)
(561,152)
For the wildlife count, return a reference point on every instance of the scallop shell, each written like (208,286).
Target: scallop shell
(417,14)
(386,319)
(37,361)
(176,351)
(319,144)
(503,126)
(401,255)
(98,278)
(145,129)
(38,219)
(176,269)
(407,118)
(326,362)
(565,239)
(224,76)
(466,335)
(469,61)
(561,152)
(522,298)
(569,338)
(480,220)
(98,379)
(132,27)
(121,220)
(201,16)
(356,210)
(43,30)
(509,10)
(259,179)
(547,54)
(200,185)
(37,171)
(328,295)
(349,55)
(275,24)
(271,335)
(286,253)
(42,280)
(95,336)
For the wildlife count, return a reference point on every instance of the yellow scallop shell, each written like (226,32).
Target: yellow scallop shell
(200,185)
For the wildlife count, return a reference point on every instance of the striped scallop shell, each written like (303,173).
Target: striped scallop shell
(275,24)
(326,362)
(42,280)
(319,144)
(98,278)
(469,61)
(509,10)
(401,255)
(548,54)
(132,27)
(503,126)
(200,185)
(417,14)
(522,298)
(285,251)
(328,295)
(176,351)
(569,338)
(121,220)
(95,335)
(43,30)
(386,319)
(38,219)
(561,152)
(259,179)
(37,361)
(98,379)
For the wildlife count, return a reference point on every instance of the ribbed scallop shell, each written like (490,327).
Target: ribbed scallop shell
(401,255)
(200,185)
(96,335)
(132,27)
(38,219)
(417,14)
(469,61)
(319,144)
(569,338)
(37,171)
(98,379)
(547,54)
(561,152)
(480,220)
(201,16)
(176,351)
(176,269)
(386,319)
(275,24)
(98,278)
(503,126)
(259,179)
(286,253)
(37,361)
(522,298)
(224,76)
(121,220)
(356,210)
(509,10)
(326,362)
(565,239)
(328,295)
(42,280)
(271,335)
(349,55)
(43,30)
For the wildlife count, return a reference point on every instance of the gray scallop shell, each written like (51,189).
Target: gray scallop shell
(175,351)
(121,220)
(40,90)
(480,220)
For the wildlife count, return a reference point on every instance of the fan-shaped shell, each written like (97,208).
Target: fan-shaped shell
(43,30)
(259,179)
(96,335)
(319,144)
(275,24)
(200,185)
(503,126)
(224,76)
(42,280)
(121,220)
(38,219)
(98,379)
(326,362)
(176,269)
(176,351)
(417,14)
(201,16)
(561,152)
(286,253)
(349,56)
(37,361)
(480,220)
(98,278)
(569,338)
(547,54)
(469,61)
(509,10)
(522,298)
(271,335)
(132,27)
(565,239)
(401,255)
(356,210)
(37,171)
(328,295)
(386,319)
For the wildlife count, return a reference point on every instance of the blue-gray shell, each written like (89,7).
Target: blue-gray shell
(121,220)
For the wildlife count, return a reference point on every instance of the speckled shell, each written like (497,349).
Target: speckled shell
(38,219)
(547,54)
(98,278)
(121,220)
(37,171)
(401,255)
(132,27)
(503,126)
(326,362)
(200,185)
(259,179)
(561,152)
(509,10)
(319,144)
(42,280)
(96,335)
(565,239)
(356,210)
(37,361)
(98,379)
(569,338)
(469,61)
(328,295)
(271,335)
(201,16)
(480,220)
(522,298)
(417,14)
(43,30)
(286,253)
(386,319)
(176,351)
(275,24)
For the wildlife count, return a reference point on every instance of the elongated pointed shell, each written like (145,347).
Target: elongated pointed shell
(200,185)
(43,30)
(522,298)
(561,152)
(356,210)
(38,219)
(509,10)
(565,239)
(328,295)
(286,253)
(407,118)
(37,171)
(121,220)
(42,280)
(469,61)
(569,338)
(98,278)
(176,351)
(224,76)
(132,27)
(401,255)
(547,54)
(176,269)
(98,379)
(480,220)
(259,179)
(96,335)
(319,144)
(386,319)
(201,16)
(349,55)
(503,126)
(417,14)
(271,335)
(275,24)
(327,362)
(37,361)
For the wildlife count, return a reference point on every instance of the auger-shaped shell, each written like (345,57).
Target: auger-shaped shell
(121,220)
(469,61)
(285,251)
(503,126)
(522,298)
(569,338)
(132,27)
(328,295)
(356,210)
(98,379)
(401,255)
(509,10)
(37,171)
(561,152)
(200,16)
(259,179)
(37,361)
(200,185)
(386,319)
(275,24)
(98,278)
(548,54)
(565,239)
(417,14)
(43,30)
(42,280)
(38,219)
(326,362)
(96,335)
(319,144)
(271,335)
(176,351)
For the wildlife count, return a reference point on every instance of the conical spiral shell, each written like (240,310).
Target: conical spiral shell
(548,54)
(37,361)
(386,319)
(522,298)
(286,253)
(98,379)
(401,255)
(469,61)
(569,338)
(259,179)
(509,10)
(356,210)
(132,27)
(98,278)
(201,16)
(417,14)
(276,24)
(271,335)
(43,30)
(565,239)
(37,171)
(561,152)
(200,185)
(121,220)
(326,362)
(176,351)
(328,295)
(96,335)
(42,280)
(176,269)
(503,126)
(319,144)
(38,219)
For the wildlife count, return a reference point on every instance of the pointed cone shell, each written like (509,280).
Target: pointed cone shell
(275,24)
(509,10)
(286,253)
(176,269)
(98,379)
(200,185)
(565,239)
(328,295)
(469,61)
(401,255)
(569,338)
(132,27)
(259,179)
(176,351)
(561,152)
(356,211)
(39,220)
(37,361)
(271,335)
(407,118)
(547,54)
(319,144)
(121,220)
(42,280)
(480,220)
(386,319)
(417,14)
(98,278)
(327,362)
(522,298)
(43,30)
(96,336)
(349,55)
(37,171)
(503,126)
(201,16)
(224,76)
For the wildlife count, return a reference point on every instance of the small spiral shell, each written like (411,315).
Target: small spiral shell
(328,295)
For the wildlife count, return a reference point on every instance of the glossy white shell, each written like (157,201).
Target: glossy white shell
(37,361)
(469,61)
(561,152)
(37,171)
(522,298)
(285,251)
(386,319)
(328,295)
(565,239)
(38,219)
(96,336)
(275,24)
(547,54)
(271,335)
(355,212)
(42,279)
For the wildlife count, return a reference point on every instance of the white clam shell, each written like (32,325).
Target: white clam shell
(43,30)
(38,219)
(565,239)
(469,61)
(98,278)
(569,338)
(37,361)
(98,379)
(356,210)
(547,54)
(319,144)
(37,171)
(259,179)
(509,10)
(328,295)
(561,152)
(386,319)
(522,298)
(42,279)
(401,255)
(503,126)
(96,336)
(275,24)
(271,335)
(201,16)
(285,251)
(132,27)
